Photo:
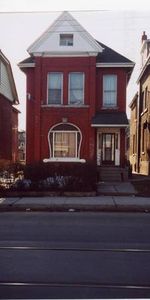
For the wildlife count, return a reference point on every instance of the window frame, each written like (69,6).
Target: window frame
(48,80)
(106,105)
(64,127)
(54,144)
(83,89)
(67,42)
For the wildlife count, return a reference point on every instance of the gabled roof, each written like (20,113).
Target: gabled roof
(10,76)
(110,119)
(48,42)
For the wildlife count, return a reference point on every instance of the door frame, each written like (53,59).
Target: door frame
(116,132)
(110,161)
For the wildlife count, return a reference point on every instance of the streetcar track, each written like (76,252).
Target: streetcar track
(32,248)
(75,284)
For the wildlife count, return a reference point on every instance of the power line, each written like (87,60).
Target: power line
(54,11)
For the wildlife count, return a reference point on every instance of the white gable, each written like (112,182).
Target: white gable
(5,86)
(49,42)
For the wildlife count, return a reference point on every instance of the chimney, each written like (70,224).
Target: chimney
(144,37)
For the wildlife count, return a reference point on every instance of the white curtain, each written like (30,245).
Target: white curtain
(109,90)
(65,144)
(76,88)
(54,81)
(54,88)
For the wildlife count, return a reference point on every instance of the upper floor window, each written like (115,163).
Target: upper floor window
(109,90)
(66,40)
(55,87)
(76,88)
(145,99)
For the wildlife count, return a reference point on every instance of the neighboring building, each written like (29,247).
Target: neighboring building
(21,146)
(140,107)
(15,113)
(133,151)
(76,97)
(8,113)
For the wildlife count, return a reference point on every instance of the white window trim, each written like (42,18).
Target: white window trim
(64,159)
(117,150)
(66,44)
(76,104)
(61,88)
(104,104)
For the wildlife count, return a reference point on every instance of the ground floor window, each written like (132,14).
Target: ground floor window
(65,141)
(65,144)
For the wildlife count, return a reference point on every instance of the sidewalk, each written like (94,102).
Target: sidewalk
(116,189)
(98,203)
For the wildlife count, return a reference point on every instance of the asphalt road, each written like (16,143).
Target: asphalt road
(74,255)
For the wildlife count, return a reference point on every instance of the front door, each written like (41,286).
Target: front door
(108,148)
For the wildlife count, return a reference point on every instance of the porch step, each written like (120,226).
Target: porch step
(115,174)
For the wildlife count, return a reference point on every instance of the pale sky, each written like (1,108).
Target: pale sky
(117,24)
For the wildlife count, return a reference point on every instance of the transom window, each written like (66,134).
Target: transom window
(65,140)
(109,90)
(55,87)
(76,88)
(66,40)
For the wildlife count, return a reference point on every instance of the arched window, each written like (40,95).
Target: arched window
(64,142)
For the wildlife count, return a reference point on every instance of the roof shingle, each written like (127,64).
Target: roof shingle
(110,118)
(110,56)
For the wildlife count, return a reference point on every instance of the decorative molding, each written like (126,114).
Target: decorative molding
(115,65)
(26,65)
(109,125)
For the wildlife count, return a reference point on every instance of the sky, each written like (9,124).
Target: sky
(117,24)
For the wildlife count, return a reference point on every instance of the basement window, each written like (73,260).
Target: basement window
(66,40)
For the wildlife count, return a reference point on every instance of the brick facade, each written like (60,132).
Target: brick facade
(43,118)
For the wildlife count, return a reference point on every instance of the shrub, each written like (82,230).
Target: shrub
(62,176)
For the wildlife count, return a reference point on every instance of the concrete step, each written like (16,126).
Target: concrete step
(113,174)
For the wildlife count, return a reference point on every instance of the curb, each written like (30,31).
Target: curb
(74,208)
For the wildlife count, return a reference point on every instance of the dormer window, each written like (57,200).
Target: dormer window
(66,40)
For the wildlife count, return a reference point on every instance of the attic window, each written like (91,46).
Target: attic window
(66,40)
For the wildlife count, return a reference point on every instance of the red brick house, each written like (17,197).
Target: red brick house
(8,113)
(76,97)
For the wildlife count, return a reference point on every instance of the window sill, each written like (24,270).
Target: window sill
(64,106)
(110,107)
(63,159)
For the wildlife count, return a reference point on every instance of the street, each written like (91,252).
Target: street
(74,255)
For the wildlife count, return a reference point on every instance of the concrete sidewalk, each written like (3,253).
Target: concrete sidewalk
(98,203)
(116,188)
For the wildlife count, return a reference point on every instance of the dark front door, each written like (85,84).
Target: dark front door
(108,148)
